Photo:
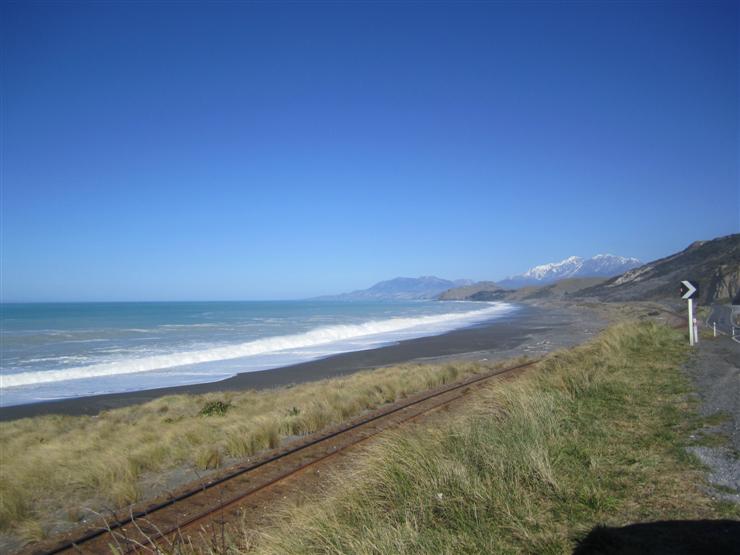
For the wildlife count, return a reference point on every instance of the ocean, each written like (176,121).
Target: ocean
(68,350)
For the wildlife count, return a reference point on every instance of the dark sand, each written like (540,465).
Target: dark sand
(530,330)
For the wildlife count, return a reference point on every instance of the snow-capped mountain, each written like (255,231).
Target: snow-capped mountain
(601,265)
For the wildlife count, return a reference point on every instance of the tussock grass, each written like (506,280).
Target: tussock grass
(595,435)
(54,468)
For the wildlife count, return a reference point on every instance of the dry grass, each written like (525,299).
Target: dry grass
(54,468)
(595,435)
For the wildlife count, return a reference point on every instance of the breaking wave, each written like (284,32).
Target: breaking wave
(317,337)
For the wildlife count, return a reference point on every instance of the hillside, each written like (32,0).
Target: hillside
(714,264)
(557,290)
(465,292)
(527,466)
(490,291)
(401,288)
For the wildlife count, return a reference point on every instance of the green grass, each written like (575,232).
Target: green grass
(595,435)
(215,408)
(55,469)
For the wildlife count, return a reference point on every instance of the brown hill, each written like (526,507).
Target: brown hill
(714,265)
(489,291)
(558,290)
(467,291)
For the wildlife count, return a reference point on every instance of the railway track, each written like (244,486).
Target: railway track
(181,515)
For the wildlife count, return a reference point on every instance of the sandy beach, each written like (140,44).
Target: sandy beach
(529,331)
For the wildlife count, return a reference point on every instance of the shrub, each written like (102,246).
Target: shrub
(215,408)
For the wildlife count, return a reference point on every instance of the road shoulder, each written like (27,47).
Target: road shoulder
(715,372)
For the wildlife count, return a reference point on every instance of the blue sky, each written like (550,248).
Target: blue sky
(279,150)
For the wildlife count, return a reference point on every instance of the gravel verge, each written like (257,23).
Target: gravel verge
(715,371)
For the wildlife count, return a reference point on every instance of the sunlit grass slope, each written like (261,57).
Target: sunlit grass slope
(594,435)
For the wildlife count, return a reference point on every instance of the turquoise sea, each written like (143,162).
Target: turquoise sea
(64,350)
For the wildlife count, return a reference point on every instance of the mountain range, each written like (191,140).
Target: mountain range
(714,264)
(601,265)
(432,287)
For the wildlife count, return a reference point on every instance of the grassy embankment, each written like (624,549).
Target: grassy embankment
(595,435)
(55,469)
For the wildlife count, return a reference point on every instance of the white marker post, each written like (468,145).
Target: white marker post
(696,332)
(714,326)
(688,292)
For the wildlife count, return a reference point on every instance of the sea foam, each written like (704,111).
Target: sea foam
(321,336)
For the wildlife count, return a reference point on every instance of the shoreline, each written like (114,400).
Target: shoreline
(501,336)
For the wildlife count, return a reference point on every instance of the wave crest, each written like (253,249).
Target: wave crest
(316,337)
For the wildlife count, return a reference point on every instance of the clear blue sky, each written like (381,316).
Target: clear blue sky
(279,150)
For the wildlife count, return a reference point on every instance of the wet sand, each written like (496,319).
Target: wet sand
(530,330)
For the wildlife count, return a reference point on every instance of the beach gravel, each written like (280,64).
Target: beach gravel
(716,375)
